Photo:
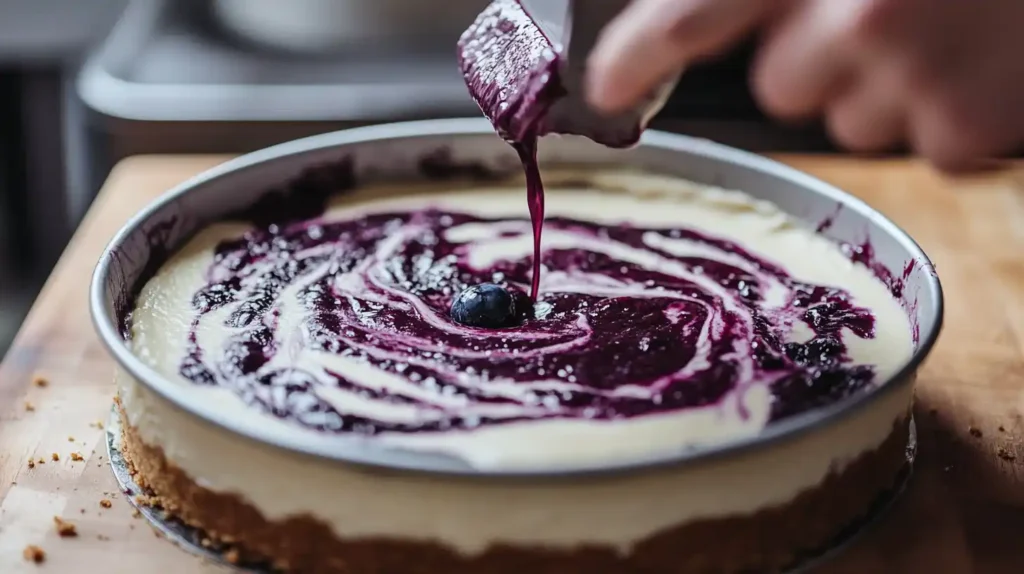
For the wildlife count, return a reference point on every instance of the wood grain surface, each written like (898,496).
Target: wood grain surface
(963,513)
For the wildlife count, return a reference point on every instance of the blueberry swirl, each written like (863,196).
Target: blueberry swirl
(342,324)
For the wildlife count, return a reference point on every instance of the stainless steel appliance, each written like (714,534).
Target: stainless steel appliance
(328,25)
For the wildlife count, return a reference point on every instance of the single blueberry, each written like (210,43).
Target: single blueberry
(484,305)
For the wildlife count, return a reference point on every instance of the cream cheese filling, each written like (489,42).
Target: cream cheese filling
(472,515)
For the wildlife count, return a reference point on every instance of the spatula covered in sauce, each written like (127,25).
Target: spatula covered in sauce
(524,62)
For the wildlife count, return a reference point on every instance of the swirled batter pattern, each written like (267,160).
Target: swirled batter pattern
(631,321)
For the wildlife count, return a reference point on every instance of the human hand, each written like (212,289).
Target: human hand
(945,76)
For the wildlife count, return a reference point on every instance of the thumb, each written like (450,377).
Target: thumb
(651,40)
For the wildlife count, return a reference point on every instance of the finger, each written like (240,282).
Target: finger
(808,59)
(871,115)
(968,114)
(952,139)
(653,39)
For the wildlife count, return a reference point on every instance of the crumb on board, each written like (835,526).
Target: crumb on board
(136,513)
(40,460)
(106,503)
(232,556)
(34,553)
(975,432)
(31,463)
(1006,455)
(82,510)
(55,456)
(1002,428)
(64,528)
(71,439)
(76,456)
(39,381)
(29,406)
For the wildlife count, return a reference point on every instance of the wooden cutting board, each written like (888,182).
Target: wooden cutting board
(963,513)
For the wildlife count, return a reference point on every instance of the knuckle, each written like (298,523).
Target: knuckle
(946,135)
(775,93)
(863,120)
(770,93)
(872,19)
(851,130)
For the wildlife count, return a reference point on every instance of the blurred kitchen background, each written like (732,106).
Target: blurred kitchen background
(85,83)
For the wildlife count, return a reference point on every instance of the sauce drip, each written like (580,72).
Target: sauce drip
(527,151)
(511,70)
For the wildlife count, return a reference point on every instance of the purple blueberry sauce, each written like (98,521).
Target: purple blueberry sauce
(616,340)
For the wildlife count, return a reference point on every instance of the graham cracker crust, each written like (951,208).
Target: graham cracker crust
(767,541)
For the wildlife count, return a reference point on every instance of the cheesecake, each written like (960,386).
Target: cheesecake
(597,427)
